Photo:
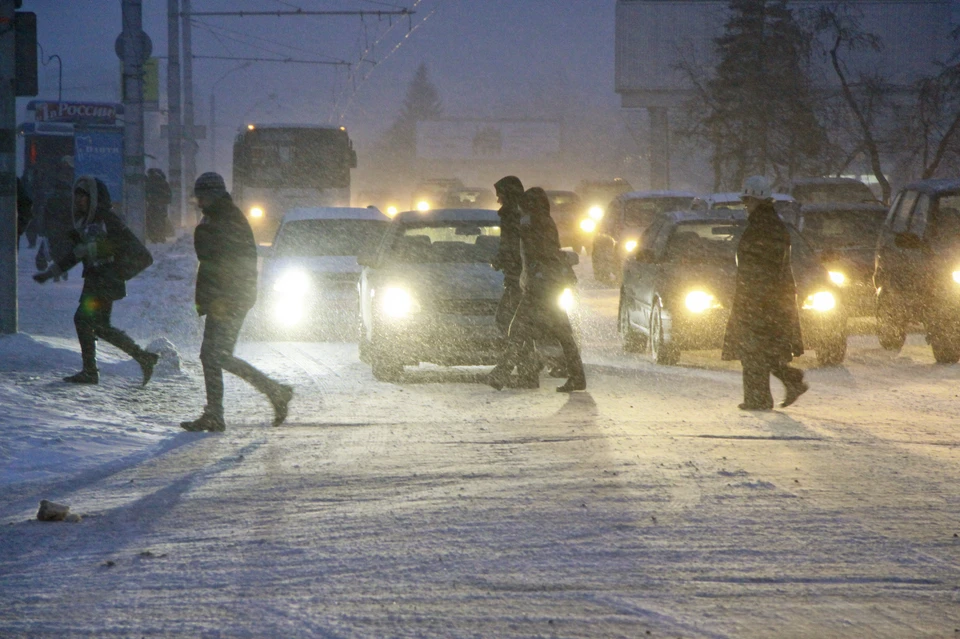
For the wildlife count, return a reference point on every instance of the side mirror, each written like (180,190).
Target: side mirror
(572,258)
(645,256)
(908,241)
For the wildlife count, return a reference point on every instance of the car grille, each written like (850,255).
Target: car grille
(466,307)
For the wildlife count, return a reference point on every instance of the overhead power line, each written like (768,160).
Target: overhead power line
(337,63)
(298,12)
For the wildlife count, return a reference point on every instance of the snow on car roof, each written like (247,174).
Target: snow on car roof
(940,185)
(713,215)
(734,196)
(448,215)
(333,213)
(825,207)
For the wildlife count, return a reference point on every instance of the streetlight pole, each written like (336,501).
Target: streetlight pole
(213,114)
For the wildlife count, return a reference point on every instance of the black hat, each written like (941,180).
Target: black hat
(210,184)
(509,185)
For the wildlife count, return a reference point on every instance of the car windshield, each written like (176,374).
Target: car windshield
(840,229)
(317,238)
(851,193)
(703,243)
(462,242)
(640,212)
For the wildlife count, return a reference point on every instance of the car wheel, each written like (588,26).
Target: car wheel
(663,353)
(946,347)
(891,327)
(633,342)
(833,350)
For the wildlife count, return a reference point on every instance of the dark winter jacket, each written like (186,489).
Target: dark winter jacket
(104,229)
(764,320)
(508,257)
(227,276)
(156,189)
(546,268)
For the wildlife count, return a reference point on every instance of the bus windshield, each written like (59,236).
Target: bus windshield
(311,158)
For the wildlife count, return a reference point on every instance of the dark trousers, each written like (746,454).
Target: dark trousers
(537,317)
(527,362)
(757,369)
(216,355)
(92,320)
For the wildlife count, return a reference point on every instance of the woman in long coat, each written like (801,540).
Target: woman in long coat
(763,331)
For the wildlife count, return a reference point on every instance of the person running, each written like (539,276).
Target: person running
(226,291)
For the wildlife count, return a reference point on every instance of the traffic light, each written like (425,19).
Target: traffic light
(25,53)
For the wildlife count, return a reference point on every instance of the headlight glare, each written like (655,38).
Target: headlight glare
(293,283)
(397,303)
(956,277)
(567,301)
(630,245)
(391,211)
(588,225)
(423,206)
(596,212)
(700,301)
(256,212)
(837,277)
(822,301)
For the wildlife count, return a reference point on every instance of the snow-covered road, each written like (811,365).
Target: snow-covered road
(440,508)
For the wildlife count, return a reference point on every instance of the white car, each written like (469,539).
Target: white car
(308,279)
(787,208)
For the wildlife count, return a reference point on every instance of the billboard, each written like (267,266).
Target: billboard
(99,152)
(487,139)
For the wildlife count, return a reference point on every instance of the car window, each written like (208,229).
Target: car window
(918,221)
(944,228)
(703,243)
(849,192)
(318,238)
(901,217)
(649,236)
(638,213)
(461,242)
(837,229)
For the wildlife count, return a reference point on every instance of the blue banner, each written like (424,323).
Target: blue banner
(99,152)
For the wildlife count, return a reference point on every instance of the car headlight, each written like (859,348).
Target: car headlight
(956,277)
(292,283)
(423,206)
(595,212)
(397,303)
(837,277)
(822,301)
(587,225)
(629,246)
(391,211)
(700,301)
(256,212)
(567,301)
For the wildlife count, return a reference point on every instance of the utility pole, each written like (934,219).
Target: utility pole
(174,132)
(189,130)
(134,47)
(8,170)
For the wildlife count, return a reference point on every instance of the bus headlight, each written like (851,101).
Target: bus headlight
(700,301)
(837,277)
(596,212)
(629,246)
(256,212)
(398,303)
(567,301)
(822,302)
(587,225)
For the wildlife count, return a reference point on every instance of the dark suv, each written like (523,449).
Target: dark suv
(917,268)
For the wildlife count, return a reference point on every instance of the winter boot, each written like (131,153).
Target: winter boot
(757,407)
(498,377)
(147,361)
(210,422)
(573,384)
(86,376)
(280,398)
(794,391)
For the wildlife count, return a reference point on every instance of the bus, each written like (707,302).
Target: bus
(279,167)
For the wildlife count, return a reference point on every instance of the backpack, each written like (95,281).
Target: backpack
(134,257)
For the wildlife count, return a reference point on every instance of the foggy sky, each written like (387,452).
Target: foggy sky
(489,58)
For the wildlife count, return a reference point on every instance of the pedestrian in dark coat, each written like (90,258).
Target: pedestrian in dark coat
(509,260)
(157,193)
(99,240)
(226,291)
(546,274)
(763,330)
